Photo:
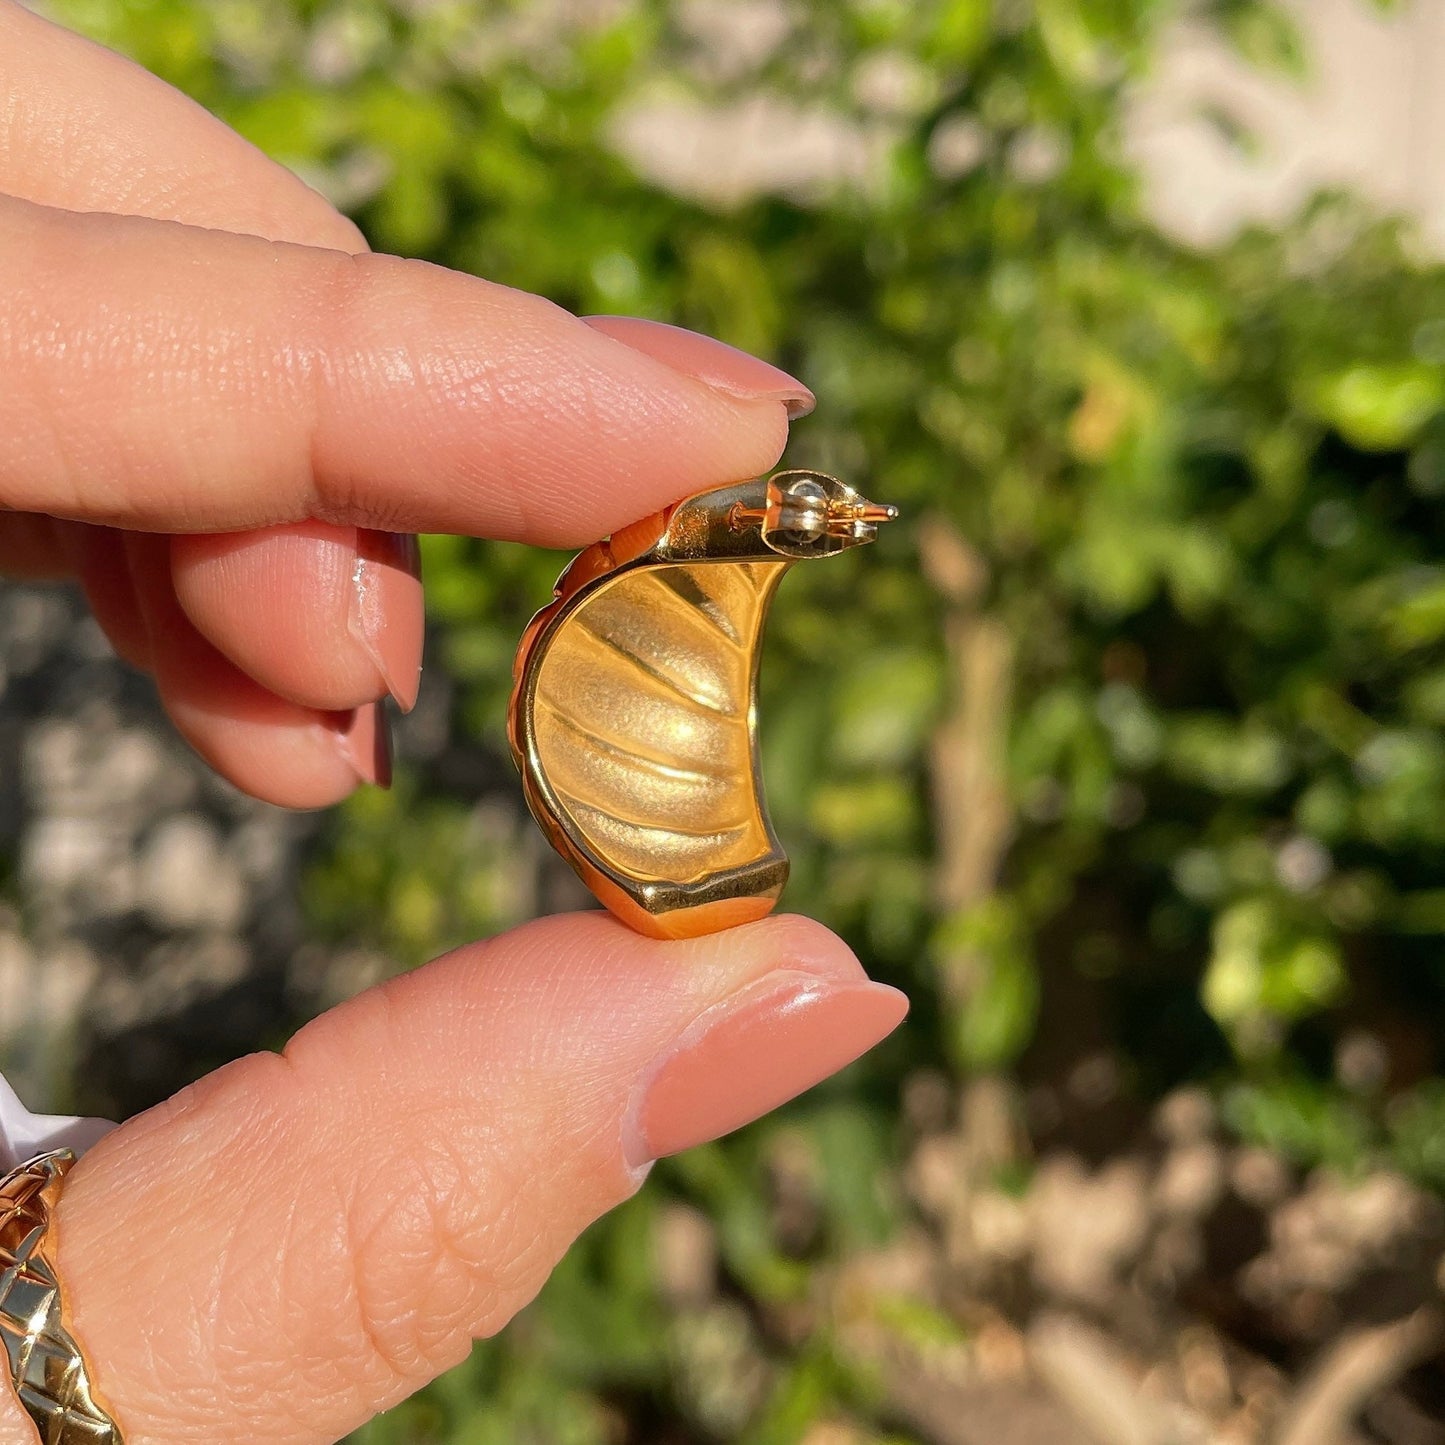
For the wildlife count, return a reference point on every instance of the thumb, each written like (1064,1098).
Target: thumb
(299,1241)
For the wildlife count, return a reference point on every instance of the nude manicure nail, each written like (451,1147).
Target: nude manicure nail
(752,1052)
(386,615)
(722,367)
(363,738)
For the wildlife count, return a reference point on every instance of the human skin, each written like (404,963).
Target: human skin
(225,419)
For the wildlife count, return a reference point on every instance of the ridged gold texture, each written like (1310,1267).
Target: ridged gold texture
(634,716)
(47,1368)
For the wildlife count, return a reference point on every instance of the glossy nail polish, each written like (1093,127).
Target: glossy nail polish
(363,738)
(722,367)
(752,1052)
(386,615)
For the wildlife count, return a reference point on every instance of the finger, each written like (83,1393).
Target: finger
(97,556)
(324,616)
(31,548)
(184,380)
(86,130)
(733,372)
(273,749)
(298,1242)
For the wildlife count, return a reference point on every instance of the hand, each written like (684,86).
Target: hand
(215,408)
(193,343)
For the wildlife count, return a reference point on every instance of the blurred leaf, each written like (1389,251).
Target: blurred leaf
(1265,967)
(1420,620)
(872,811)
(1306,1121)
(986,958)
(1379,408)
(1268,36)
(887,703)
(1416,1126)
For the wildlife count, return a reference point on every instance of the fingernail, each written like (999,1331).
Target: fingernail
(721,366)
(386,609)
(364,739)
(752,1052)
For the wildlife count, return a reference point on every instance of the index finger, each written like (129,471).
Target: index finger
(170,378)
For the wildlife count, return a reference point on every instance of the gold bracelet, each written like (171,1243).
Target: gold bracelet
(46,1365)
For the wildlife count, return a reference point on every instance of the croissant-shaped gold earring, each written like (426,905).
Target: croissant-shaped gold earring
(634,713)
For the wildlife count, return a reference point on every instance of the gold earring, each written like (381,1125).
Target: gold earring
(634,715)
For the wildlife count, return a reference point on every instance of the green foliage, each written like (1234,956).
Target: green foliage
(415,875)
(990,947)
(1204,494)
(1264,970)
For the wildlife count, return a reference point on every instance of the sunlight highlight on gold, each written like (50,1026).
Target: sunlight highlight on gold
(634,714)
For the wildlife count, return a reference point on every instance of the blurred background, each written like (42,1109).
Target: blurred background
(1123,754)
